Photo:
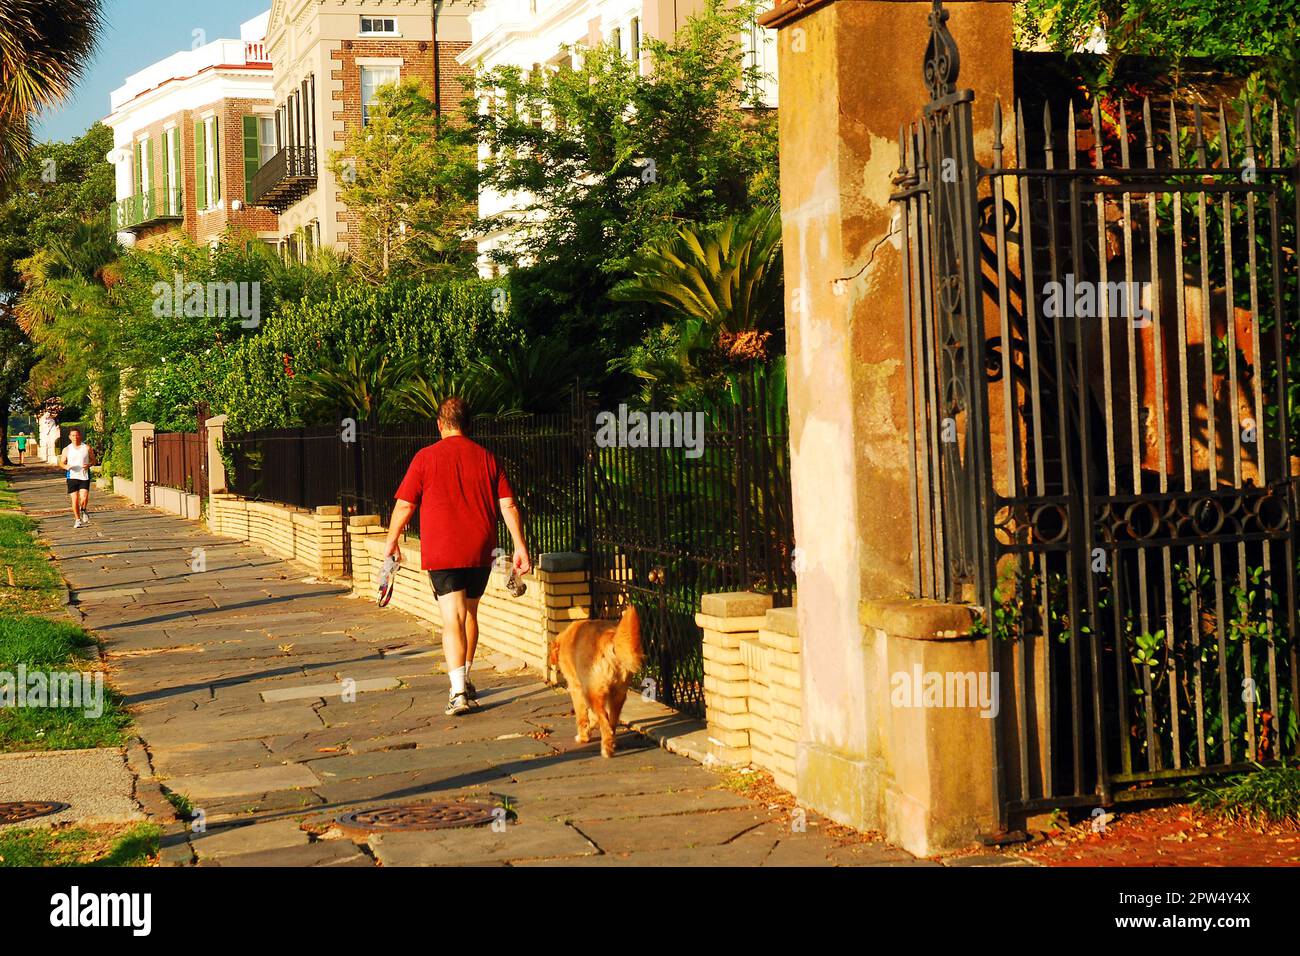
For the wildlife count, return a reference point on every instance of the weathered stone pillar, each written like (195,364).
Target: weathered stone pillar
(139,432)
(850,76)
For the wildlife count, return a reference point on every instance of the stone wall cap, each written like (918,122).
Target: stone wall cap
(558,561)
(919,619)
(735,604)
(142,426)
(730,625)
(329,510)
(783,620)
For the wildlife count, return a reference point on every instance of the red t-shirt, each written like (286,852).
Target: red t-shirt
(457,485)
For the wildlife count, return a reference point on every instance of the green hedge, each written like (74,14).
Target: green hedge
(447,325)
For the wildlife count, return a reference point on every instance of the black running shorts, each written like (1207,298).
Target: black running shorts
(473,581)
(78,484)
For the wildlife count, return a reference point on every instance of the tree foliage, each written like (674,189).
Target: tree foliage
(604,159)
(410,187)
(45,47)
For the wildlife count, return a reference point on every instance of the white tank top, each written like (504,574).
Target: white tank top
(78,459)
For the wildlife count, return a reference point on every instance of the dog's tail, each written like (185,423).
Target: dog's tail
(627,641)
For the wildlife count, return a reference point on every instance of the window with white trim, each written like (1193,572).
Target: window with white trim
(372,78)
(212,155)
(266,147)
(172,200)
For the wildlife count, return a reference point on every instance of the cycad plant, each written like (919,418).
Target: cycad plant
(371,384)
(720,287)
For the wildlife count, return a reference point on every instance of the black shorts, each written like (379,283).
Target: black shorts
(78,484)
(473,581)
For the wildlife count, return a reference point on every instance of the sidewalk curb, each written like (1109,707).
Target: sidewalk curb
(174,845)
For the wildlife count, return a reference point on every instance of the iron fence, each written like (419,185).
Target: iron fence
(661,527)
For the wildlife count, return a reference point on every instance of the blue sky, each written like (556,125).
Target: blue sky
(137,33)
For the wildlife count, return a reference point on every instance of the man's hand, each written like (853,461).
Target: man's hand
(402,512)
(520,560)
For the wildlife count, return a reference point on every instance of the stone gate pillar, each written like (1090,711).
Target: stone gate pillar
(850,75)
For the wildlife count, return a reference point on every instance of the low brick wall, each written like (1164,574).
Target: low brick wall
(752,682)
(312,538)
(523,627)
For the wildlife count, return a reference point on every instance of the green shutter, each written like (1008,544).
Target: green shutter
(138,184)
(216,158)
(179,208)
(200,165)
(251,155)
(165,196)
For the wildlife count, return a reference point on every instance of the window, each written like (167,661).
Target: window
(372,78)
(385,26)
(211,159)
(266,147)
(634,38)
(171,171)
(616,39)
(145,165)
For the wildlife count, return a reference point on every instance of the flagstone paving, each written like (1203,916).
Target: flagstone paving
(234,676)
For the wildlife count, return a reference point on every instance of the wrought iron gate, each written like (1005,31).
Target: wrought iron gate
(1098,326)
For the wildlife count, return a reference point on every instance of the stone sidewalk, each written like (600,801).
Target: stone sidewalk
(233,674)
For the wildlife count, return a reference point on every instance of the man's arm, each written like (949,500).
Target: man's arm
(402,512)
(515,524)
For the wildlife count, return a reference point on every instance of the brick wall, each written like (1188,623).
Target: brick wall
(230,122)
(312,538)
(209,225)
(753,694)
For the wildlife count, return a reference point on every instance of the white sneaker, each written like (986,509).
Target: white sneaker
(85,517)
(76,522)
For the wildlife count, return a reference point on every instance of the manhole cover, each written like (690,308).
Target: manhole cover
(29,810)
(419,816)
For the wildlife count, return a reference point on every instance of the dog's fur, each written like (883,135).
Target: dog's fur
(598,659)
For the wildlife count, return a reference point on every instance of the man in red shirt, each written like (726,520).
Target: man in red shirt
(458,487)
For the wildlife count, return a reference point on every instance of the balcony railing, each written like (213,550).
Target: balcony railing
(147,208)
(284,179)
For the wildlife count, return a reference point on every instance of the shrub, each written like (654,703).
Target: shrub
(446,326)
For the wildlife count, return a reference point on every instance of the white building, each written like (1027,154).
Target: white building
(187,132)
(535,33)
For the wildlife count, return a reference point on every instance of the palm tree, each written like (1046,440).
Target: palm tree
(65,306)
(45,47)
(721,286)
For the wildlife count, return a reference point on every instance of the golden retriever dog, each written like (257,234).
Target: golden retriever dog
(598,659)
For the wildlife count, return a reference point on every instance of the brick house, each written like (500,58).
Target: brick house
(188,131)
(328,61)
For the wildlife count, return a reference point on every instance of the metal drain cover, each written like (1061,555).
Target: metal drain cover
(29,810)
(419,816)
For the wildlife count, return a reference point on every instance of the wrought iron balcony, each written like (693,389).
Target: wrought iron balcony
(148,208)
(284,179)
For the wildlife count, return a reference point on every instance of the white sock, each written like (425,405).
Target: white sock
(457,675)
